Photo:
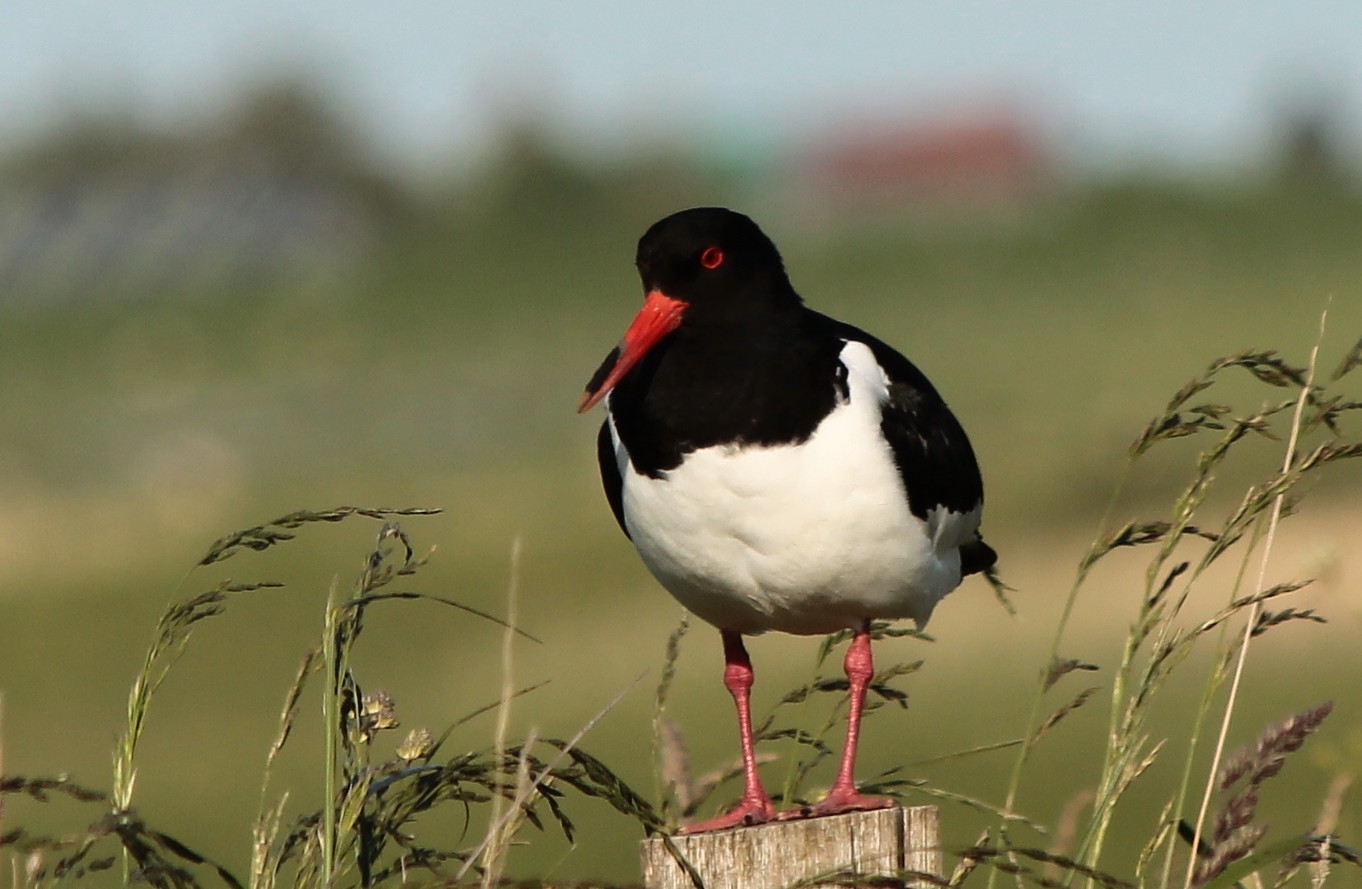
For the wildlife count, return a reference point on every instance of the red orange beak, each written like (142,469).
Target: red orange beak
(659,316)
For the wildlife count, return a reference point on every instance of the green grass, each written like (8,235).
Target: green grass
(388,800)
(447,376)
(372,794)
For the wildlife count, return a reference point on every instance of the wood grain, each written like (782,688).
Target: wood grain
(884,842)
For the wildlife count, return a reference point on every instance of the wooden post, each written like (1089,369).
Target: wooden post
(883,842)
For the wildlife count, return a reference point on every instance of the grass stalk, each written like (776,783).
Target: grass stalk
(1156,630)
(543,776)
(264,861)
(371,800)
(671,768)
(1214,679)
(1158,641)
(331,729)
(499,828)
(1034,717)
(1256,608)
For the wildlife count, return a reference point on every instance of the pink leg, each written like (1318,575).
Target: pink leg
(844,797)
(755,806)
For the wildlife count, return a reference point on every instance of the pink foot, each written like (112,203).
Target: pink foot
(747,813)
(837,802)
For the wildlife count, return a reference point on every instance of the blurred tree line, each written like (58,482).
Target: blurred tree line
(281,190)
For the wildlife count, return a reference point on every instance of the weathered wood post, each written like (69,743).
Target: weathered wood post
(883,842)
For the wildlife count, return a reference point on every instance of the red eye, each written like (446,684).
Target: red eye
(712,258)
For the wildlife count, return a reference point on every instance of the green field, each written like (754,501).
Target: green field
(444,374)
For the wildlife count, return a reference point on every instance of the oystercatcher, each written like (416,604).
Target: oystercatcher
(777,469)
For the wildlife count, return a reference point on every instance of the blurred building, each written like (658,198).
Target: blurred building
(975,168)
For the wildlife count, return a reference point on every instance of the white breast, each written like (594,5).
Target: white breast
(809,538)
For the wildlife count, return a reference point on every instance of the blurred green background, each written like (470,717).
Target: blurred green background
(219,312)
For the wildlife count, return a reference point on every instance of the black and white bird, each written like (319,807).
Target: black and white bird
(777,469)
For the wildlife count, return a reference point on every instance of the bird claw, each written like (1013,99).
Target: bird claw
(838,803)
(747,814)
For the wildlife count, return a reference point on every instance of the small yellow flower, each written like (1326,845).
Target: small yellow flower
(418,742)
(378,711)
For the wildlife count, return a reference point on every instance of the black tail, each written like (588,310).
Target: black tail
(976,556)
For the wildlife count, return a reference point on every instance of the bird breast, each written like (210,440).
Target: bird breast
(806,538)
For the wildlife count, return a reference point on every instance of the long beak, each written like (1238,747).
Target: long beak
(659,316)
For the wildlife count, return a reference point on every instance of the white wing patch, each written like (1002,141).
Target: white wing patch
(860,361)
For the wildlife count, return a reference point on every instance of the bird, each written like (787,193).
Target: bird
(778,470)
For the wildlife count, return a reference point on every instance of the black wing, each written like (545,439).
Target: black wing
(610,474)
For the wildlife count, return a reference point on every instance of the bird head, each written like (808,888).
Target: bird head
(698,264)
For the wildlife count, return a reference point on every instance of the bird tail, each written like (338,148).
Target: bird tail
(976,556)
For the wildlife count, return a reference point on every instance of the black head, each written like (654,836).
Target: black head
(703,266)
(708,255)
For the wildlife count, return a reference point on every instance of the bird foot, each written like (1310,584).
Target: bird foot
(748,812)
(838,802)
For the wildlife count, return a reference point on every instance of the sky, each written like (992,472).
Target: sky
(1178,81)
